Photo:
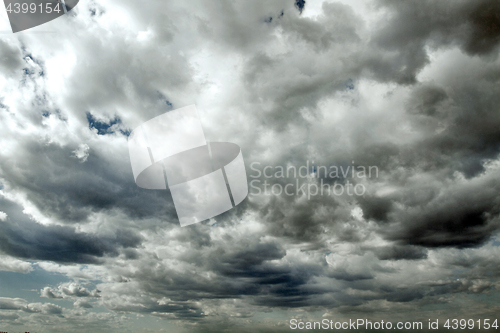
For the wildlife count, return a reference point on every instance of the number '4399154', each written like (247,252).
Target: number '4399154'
(484,324)
(33,8)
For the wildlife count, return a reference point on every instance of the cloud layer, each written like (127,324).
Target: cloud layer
(410,88)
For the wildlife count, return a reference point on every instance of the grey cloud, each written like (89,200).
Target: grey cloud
(21,304)
(12,303)
(453,218)
(6,317)
(11,60)
(375,208)
(82,304)
(401,253)
(337,25)
(89,187)
(239,26)
(311,85)
(474,25)
(57,243)
(485,22)
(427,100)
(270,283)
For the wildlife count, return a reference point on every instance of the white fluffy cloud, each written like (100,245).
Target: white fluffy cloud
(10,264)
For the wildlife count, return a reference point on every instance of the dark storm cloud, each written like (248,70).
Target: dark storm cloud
(457,122)
(60,186)
(474,25)
(253,273)
(458,219)
(244,270)
(375,208)
(485,20)
(239,262)
(323,84)
(468,116)
(459,126)
(73,190)
(298,220)
(23,238)
(448,230)
(259,275)
(397,52)
(400,253)
(427,100)
(465,214)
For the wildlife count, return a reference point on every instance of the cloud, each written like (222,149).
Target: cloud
(10,264)
(69,290)
(409,87)
(12,303)
(400,253)
(471,25)
(50,293)
(82,152)
(45,308)
(83,304)
(24,238)
(9,317)
(11,60)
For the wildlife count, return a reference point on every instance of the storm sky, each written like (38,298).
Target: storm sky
(409,87)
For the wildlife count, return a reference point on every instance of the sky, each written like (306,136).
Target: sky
(409,88)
